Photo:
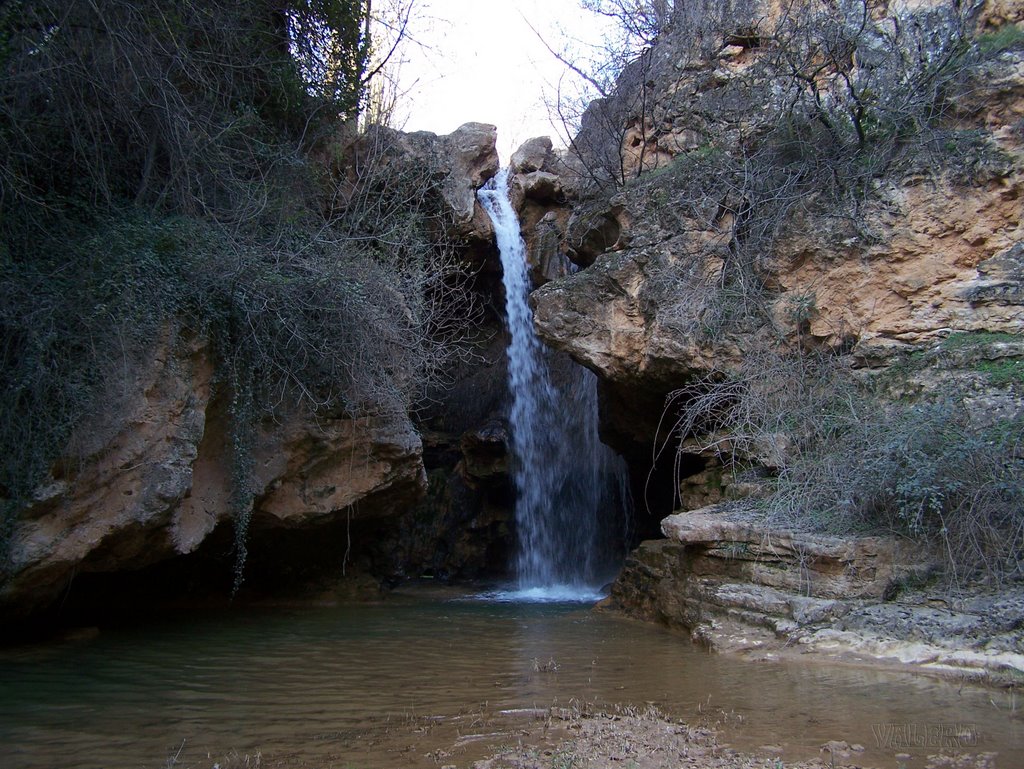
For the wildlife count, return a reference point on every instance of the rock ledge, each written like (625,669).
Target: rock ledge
(740,586)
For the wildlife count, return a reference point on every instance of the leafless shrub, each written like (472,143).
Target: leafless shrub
(872,87)
(844,458)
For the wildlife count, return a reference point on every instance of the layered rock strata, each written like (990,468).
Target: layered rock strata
(740,585)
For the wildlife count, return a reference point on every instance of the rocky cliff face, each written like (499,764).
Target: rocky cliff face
(147,482)
(721,230)
(680,277)
(920,256)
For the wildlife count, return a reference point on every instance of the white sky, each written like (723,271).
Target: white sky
(480,61)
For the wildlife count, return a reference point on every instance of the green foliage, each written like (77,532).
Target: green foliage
(331,40)
(1003,39)
(962,340)
(1003,372)
(184,106)
(243,414)
(975,348)
(969,156)
(800,308)
(80,293)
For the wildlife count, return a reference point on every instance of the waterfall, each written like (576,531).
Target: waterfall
(571,490)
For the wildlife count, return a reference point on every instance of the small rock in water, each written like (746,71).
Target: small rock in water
(837,748)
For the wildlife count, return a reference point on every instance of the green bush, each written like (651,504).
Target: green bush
(963,340)
(1003,373)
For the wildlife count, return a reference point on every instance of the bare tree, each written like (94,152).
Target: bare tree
(390,22)
(613,95)
(638,23)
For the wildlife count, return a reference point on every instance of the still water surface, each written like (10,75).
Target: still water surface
(382,685)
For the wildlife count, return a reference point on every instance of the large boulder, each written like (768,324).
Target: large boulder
(152,478)
(466,159)
(458,164)
(535,154)
(473,160)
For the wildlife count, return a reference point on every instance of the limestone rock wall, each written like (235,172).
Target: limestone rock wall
(743,587)
(153,479)
(928,256)
(463,527)
(919,256)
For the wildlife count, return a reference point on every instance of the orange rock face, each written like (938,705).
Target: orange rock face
(153,478)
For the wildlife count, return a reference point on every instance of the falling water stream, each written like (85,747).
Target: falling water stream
(570,487)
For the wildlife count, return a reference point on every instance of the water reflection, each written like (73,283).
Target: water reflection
(323,685)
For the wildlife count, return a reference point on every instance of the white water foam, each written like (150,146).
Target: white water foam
(546,594)
(571,492)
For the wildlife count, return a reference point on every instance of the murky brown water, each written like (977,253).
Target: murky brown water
(383,685)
